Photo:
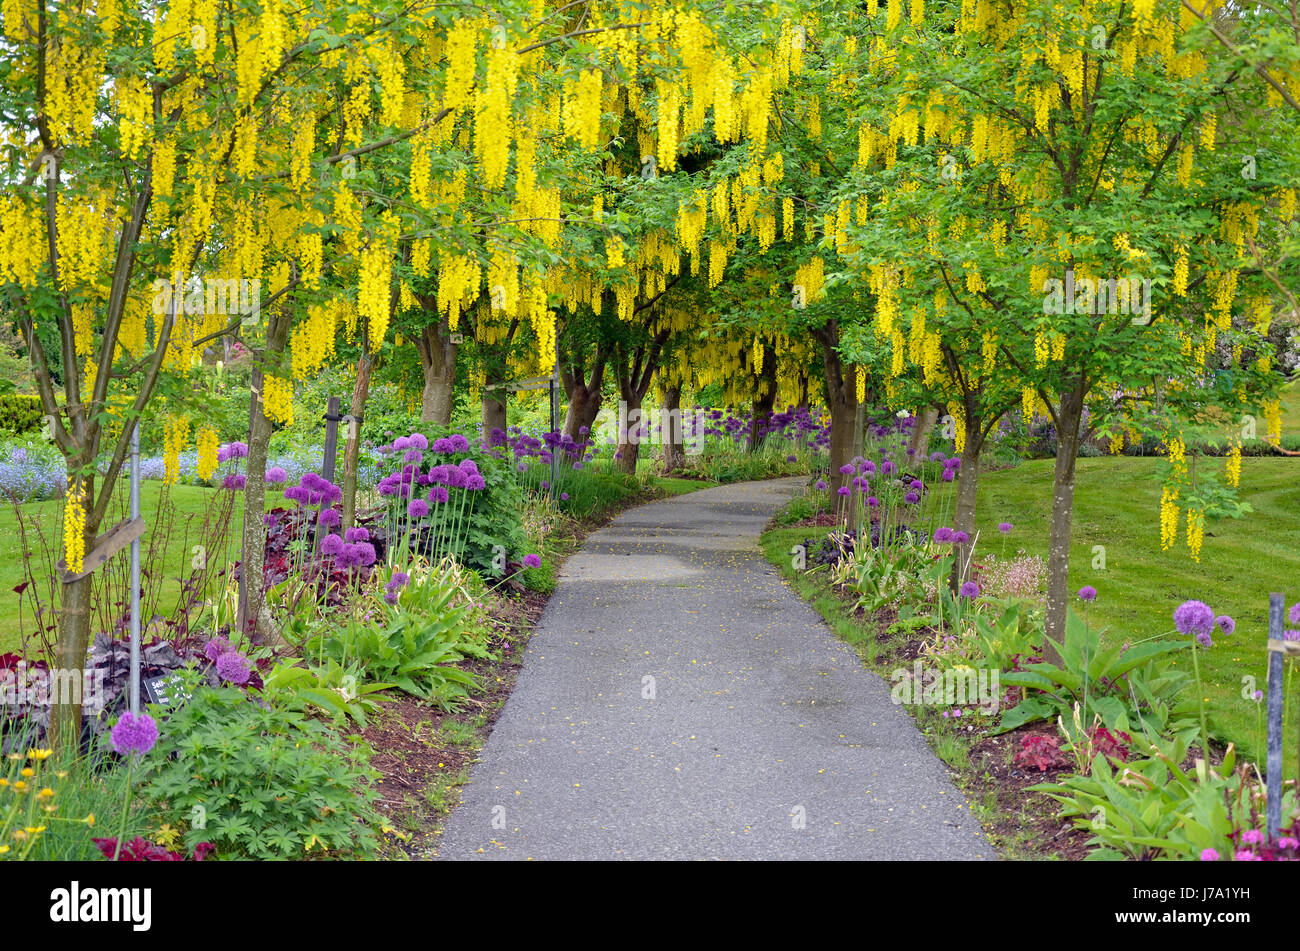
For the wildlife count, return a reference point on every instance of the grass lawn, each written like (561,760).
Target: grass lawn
(1117,503)
(595,493)
(187,507)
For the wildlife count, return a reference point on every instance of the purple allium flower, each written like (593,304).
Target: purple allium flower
(419,441)
(442,445)
(873,502)
(583,430)
(911,498)
(1203,638)
(365,553)
(331,544)
(390,597)
(618,454)
(1257,696)
(457,442)
(223,454)
(215,648)
(400,579)
(468,466)
(238,450)
(846,469)
(1005,527)
(1209,855)
(969,589)
(234,667)
(791,458)
(868,467)
(943,535)
(1291,635)
(844,490)
(132,734)
(276,476)
(233,481)
(936,457)
(1294,614)
(1194,617)
(522,467)
(475,482)
(418,508)
(330,517)
(401,443)
(886,467)
(960,538)
(1226,624)
(412,455)
(948,475)
(953,463)
(532,561)
(564,496)
(821,485)
(915,484)
(438,494)
(358,533)
(577,465)
(545,484)
(1088,593)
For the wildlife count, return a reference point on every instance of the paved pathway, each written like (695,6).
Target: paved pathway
(679,701)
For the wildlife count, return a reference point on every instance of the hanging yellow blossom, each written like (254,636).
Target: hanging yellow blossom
(74,529)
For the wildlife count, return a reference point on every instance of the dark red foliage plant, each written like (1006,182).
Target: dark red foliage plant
(1041,752)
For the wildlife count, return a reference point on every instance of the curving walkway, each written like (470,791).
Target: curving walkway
(756,716)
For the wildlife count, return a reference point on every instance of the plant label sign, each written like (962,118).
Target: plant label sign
(166,690)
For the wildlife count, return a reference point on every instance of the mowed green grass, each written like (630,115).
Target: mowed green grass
(1117,502)
(187,508)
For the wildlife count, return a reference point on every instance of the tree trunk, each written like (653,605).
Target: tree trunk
(352,451)
(967,492)
(629,442)
(256,620)
(74,641)
(494,411)
(762,405)
(918,443)
(438,360)
(842,401)
(674,453)
(1069,416)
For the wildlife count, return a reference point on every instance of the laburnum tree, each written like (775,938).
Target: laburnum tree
(1092,133)
(150,147)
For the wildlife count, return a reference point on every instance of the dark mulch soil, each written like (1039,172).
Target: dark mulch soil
(1027,817)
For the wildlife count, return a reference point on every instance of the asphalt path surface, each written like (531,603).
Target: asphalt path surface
(680,701)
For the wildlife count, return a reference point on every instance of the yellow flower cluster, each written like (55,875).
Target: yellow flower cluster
(207,444)
(582,108)
(1273,423)
(74,529)
(375,279)
(176,431)
(1233,465)
(458,284)
(21,241)
(1168,518)
(135,116)
(492,118)
(277,399)
(1195,532)
(312,341)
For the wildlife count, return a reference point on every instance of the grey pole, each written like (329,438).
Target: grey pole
(1275,700)
(135,574)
